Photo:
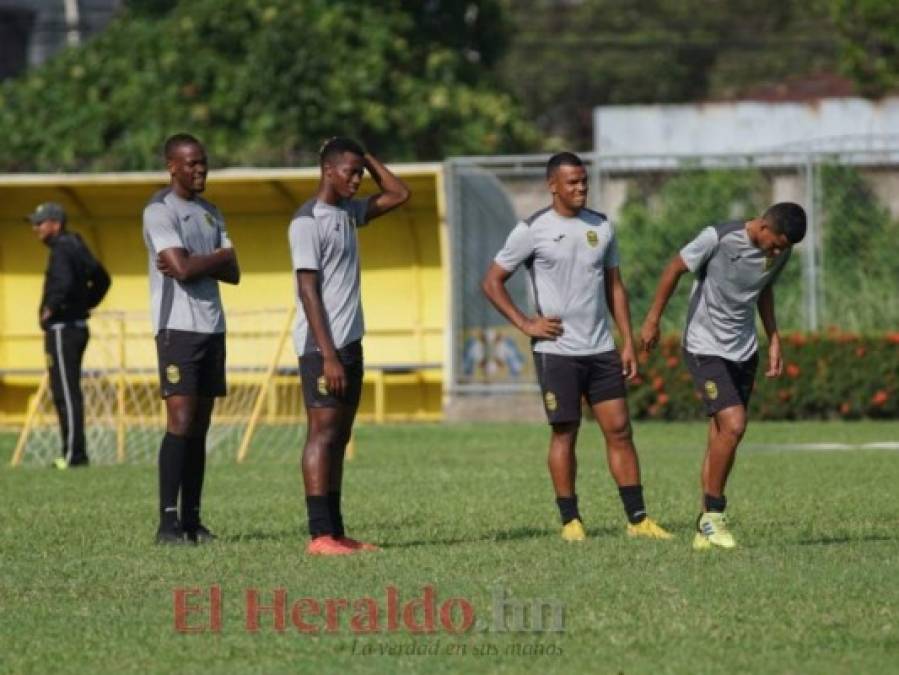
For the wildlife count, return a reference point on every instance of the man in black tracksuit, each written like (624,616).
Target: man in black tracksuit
(74,283)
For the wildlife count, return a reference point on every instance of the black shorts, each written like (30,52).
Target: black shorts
(315,389)
(191,364)
(722,383)
(566,380)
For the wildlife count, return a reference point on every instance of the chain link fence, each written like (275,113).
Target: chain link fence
(844,275)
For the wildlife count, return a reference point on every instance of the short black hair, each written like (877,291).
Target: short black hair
(334,147)
(787,218)
(177,140)
(562,159)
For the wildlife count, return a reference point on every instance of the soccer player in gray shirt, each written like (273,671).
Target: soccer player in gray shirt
(189,252)
(736,265)
(571,255)
(324,249)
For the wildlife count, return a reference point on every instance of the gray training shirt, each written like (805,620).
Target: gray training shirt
(195,225)
(730,274)
(566,259)
(323,238)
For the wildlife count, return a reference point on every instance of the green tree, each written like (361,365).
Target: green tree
(263,82)
(568,57)
(869,43)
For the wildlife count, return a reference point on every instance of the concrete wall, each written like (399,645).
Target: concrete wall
(743,126)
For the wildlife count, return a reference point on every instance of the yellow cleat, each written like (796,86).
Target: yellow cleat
(60,463)
(573,530)
(713,532)
(649,529)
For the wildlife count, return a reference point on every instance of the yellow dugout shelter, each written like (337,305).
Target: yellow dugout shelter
(405,279)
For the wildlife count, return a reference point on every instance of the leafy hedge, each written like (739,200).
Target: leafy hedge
(826,376)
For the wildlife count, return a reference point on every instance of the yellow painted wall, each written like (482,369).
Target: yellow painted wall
(403,275)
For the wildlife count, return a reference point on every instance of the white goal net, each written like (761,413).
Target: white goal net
(125,416)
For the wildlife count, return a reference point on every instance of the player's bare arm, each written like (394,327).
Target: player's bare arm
(540,327)
(394,192)
(649,332)
(221,264)
(617,300)
(769,321)
(333,371)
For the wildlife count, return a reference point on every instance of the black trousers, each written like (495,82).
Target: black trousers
(64,345)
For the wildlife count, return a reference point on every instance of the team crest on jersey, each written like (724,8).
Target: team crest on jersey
(550,399)
(172,373)
(592,239)
(322,386)
(711,390)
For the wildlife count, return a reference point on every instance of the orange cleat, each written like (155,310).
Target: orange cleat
(328,545)
(357,545)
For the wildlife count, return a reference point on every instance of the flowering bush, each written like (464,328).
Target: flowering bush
(826,375)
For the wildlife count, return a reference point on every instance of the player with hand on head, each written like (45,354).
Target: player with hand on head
(189,252)
(736,265)
(328,334)
(571,255)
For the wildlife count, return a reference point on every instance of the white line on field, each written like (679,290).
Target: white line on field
(824,447)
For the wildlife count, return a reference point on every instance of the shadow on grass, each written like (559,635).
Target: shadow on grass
(514,534)
(837,541)
(259,535)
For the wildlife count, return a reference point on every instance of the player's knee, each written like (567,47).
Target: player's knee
(734,429)
(619,431)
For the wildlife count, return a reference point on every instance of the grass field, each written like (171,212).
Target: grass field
(468,510)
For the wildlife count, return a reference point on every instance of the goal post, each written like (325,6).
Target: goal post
(125,416)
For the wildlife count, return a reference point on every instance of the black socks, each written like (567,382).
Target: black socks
(632,498)
(319,516)
(715,504)
(171,468)
(192,482)
(568,508)
(335,514)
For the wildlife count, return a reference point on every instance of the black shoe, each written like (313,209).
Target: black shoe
(80,462)
(200,535)
(171,536)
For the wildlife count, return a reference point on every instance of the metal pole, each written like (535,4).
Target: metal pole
(810,287)
(269,375)
(120,395)
(29,420)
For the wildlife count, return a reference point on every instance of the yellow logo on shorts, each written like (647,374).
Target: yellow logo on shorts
(49,360)
(550,399)
(592,239)
(322,385)
(172,374)
(711,389)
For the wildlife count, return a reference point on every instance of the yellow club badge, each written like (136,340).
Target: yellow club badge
(172,373)
(550,399)
(711,390)
(592,239)
(322,385)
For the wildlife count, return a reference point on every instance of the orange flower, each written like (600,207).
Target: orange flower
(672,362)
(662,398)
(642,357)
(860,351)
(880,397)
(792,370)
(658,383)
(845,408)
(784,395)
(797,339)
(893,338)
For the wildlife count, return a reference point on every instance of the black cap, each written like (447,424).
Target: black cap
(47,211)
